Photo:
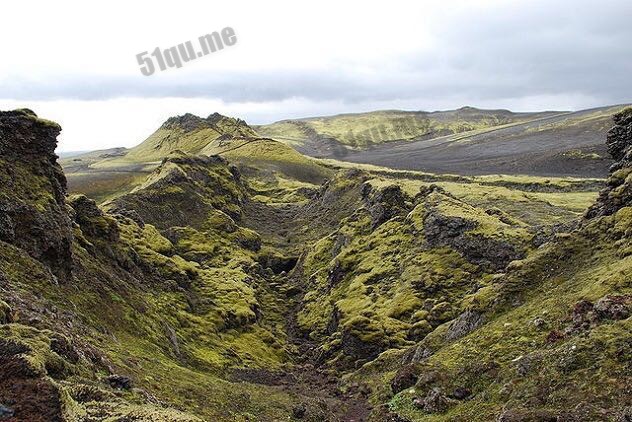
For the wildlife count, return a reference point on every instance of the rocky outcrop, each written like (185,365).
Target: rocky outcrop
(618,191)
(464,324)
(33,214)
(455,232)
(189,122)
(386,203)
(183,191)
(93,221)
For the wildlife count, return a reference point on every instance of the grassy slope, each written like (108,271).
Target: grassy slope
(365,129)
(569,144)
(178,137)
(511,364)
(104,175)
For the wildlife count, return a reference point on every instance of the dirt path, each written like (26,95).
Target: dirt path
(313,377)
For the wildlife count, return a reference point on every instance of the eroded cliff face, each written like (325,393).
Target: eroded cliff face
(618,192)
(33,214)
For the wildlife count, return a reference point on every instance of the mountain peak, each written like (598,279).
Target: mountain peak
(190,134)
(189,122)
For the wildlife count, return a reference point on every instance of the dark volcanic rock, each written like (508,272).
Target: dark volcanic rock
(441,230)
(33,213)
(299,411)
(586,315)
(119,382)
(618,192)
(464,324)
(614,307)
(189,122)
(461,393)
(362,340)
(63,347)
(434,402)
(405,378)
(620,136)
(6,412)
(92,220)
(386,203)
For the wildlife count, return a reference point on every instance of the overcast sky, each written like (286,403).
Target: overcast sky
(75,62)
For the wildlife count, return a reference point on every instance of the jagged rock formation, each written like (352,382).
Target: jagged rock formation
(189,122)
(618,192)
(183,191)
(190,134)
(547,339)
(33,213)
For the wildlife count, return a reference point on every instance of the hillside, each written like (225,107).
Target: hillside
(188,133)
(563,145)
(316,135)
(108,173)
(260,284)
(467,141)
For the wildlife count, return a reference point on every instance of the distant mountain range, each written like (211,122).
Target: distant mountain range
(467,141)
(358,131)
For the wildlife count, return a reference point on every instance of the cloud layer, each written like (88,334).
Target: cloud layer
(333,57)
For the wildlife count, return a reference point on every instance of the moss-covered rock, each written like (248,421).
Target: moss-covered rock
(33,213)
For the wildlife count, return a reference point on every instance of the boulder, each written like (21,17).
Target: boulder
(387,203)
(433,402)
(614,307)
(6,412)
(464,324)
(299,411)
(405,378)
(120,382)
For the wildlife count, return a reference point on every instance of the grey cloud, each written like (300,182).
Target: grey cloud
(545,48)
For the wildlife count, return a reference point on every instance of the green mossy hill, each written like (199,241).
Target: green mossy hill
(190,134)
(261,156)
(397,268)
(183,190)
(365,129)
(550,338)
